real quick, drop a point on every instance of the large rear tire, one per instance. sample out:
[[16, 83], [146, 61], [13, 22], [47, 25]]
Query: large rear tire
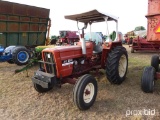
[[147, 80], [85, 92], [117, 65], [155, 62], [21, 55]]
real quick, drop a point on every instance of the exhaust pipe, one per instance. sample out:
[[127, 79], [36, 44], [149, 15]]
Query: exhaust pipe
[[83, 46], [82, 40]]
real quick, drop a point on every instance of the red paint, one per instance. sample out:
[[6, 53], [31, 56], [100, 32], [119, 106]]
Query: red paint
[[157, 75], [140, 44], [153, 21], [67, 52], [62, 53]]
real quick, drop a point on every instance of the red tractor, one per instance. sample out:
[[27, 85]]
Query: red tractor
[[151, 73], [72, 64]]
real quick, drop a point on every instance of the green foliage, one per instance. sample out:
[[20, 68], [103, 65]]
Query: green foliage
[[54, 37], [138, 28]]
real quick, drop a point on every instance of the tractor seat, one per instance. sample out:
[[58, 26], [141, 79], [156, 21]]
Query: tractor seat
[[97, 49], [96, 38]]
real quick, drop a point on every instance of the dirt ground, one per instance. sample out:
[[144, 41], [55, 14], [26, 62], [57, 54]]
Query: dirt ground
[[19, 100]]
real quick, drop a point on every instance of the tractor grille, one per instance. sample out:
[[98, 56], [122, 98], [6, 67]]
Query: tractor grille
[[49, 62]]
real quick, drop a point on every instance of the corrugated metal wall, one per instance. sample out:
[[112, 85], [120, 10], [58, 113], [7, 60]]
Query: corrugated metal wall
[[22, 24]]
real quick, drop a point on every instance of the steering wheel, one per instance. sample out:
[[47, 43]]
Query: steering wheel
[[113, 35]]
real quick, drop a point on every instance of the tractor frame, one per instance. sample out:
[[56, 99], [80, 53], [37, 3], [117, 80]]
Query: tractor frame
[[72, 64]]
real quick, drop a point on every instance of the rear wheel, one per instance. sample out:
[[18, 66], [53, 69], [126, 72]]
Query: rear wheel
[[117, 65], [40, 89], [85, 92], [155, 62], [147, 80], [21, 56]]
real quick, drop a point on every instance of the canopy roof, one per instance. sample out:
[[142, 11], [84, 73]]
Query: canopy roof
[[91, 16]]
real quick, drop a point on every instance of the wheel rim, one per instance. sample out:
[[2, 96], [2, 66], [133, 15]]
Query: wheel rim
[[122, 65], [88, 93], [22, 56]]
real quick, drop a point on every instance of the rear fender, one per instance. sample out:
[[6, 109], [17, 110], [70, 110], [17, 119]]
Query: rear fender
[[9, 49], [107, 47]]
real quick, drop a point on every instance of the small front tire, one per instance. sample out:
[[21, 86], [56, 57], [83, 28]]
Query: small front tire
[[85, 92], [40, 89], [147, 80]]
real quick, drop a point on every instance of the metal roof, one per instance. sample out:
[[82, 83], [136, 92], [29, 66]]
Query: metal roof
[[93, 16], [11, 8]]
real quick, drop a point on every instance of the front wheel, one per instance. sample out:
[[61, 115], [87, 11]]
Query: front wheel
[[40, 89], [85, 92], [147, 80], [117, 65]]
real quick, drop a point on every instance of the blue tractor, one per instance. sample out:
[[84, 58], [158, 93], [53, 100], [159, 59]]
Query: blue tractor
[[19, 55]]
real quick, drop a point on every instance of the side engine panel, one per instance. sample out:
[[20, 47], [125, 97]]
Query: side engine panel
[[65, 58]]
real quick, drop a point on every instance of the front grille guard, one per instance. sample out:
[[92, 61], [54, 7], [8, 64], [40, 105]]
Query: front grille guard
[[47, 67]]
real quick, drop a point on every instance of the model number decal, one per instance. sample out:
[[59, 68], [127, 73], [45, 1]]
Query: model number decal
[[67, 62]]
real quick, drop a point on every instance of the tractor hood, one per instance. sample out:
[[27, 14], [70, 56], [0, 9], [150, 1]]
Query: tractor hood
[[63, 48], [68, 52]]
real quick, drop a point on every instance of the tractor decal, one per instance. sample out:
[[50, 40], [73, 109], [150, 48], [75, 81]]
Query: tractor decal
[[67, 62]]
